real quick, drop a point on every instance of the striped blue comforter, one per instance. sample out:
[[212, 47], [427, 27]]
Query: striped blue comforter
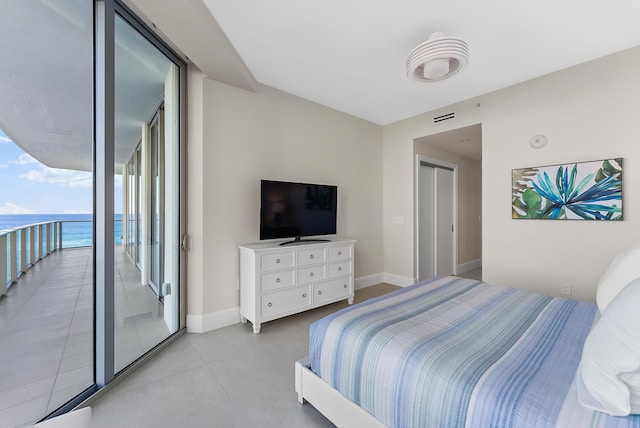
[[453, 352]]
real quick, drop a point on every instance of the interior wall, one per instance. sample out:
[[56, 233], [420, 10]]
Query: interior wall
[[195, 194], [469, 201], [269, 134], [588, 112]]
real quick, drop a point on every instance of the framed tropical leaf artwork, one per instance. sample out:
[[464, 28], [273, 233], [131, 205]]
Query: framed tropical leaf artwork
[[576, 191]]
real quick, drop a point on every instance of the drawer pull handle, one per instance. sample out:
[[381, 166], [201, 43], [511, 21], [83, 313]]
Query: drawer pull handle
[[304, 295], [310, 273], [278, 280], [311, 256], [277, 260], [270, 304], [319, 292], [340, 269], [339, 253], [345, 286]]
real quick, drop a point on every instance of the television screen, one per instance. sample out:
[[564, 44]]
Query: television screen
[[294, 210]]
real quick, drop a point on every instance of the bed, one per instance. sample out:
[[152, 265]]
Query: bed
[[453, 352]]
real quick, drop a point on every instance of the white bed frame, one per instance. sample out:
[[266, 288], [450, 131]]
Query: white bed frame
[[329, 401]]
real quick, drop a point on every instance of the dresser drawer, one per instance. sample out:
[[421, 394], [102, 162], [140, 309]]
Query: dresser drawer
[[278, 279], [331, 290], [285, 301], [338, 269], [339, 252], [310, 274], [277, 261], [311, 256]]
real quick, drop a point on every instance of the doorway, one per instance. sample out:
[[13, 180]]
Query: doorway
[[459, 149], [437, 218]]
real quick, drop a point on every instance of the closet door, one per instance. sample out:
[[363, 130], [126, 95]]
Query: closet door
[[426, 222], [436, 220], [444, 221]]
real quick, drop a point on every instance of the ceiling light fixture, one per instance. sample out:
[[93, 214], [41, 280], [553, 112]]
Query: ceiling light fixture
[[440, 57]]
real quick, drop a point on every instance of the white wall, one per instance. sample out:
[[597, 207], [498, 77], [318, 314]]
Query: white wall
[[246, 136], [588, 112]]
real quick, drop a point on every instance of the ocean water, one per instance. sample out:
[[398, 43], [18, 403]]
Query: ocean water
[[77, 229]]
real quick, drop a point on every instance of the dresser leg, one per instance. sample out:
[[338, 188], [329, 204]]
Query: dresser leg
[[243, 319], [256, 328], [350, 300]]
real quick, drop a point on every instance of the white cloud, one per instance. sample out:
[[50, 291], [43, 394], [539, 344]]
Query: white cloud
[[25, 159], [4, 139], [9, 208], [65, 177]]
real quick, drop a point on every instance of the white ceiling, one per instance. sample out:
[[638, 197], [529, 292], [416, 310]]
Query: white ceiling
[[350, 54], [46, 81], [46, 73], [465, 141], [346, 54]]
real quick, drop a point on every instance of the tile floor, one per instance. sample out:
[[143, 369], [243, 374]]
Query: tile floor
[[473, 274], [229, 377], [224, 378], [46, 332]]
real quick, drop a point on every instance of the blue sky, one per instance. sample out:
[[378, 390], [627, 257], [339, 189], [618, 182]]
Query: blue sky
[[29, 187]]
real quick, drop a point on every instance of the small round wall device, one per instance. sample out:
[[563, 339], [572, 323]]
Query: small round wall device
[[538, 141]]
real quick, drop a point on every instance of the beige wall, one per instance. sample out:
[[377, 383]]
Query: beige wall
[[588, 112], [247, 136], [469, 201], [238, 137]]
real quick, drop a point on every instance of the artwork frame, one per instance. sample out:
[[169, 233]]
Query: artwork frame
[[590, 190]]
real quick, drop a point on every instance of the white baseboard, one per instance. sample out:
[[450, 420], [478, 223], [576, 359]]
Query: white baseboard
[[377, 278], [367, 281], [227, 317], [213, 320], [466, 267], [398, 280]]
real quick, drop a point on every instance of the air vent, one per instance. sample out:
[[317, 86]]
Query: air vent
[[444, 117]]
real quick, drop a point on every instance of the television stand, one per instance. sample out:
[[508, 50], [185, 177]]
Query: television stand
[[299, 240], [277, 281]]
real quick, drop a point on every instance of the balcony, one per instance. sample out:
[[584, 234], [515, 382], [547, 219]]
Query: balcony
[[46, 321]]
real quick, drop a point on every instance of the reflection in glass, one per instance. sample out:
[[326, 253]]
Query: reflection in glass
[[146, 165], [46, 109]]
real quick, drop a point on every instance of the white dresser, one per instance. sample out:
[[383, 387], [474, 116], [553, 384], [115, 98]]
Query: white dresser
[[276, 281]]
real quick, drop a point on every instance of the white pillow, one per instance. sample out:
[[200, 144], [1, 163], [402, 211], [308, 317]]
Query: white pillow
[[609, 372], [622, 270]]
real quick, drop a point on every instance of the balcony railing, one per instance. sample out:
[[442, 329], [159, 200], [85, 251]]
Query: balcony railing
[[24, 246]]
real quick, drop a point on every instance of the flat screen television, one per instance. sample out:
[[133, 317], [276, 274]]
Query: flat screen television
[[297, 210]]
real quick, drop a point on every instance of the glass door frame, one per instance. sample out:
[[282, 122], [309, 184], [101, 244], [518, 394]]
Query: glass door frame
[[105, 12], [132, 232], [157, 202]]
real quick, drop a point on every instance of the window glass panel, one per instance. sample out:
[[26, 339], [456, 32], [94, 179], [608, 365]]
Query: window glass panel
[[46, 150], [146, 310]]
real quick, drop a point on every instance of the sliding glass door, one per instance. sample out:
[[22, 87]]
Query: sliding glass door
[[47, 176], [90, 141], [146, 166]]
